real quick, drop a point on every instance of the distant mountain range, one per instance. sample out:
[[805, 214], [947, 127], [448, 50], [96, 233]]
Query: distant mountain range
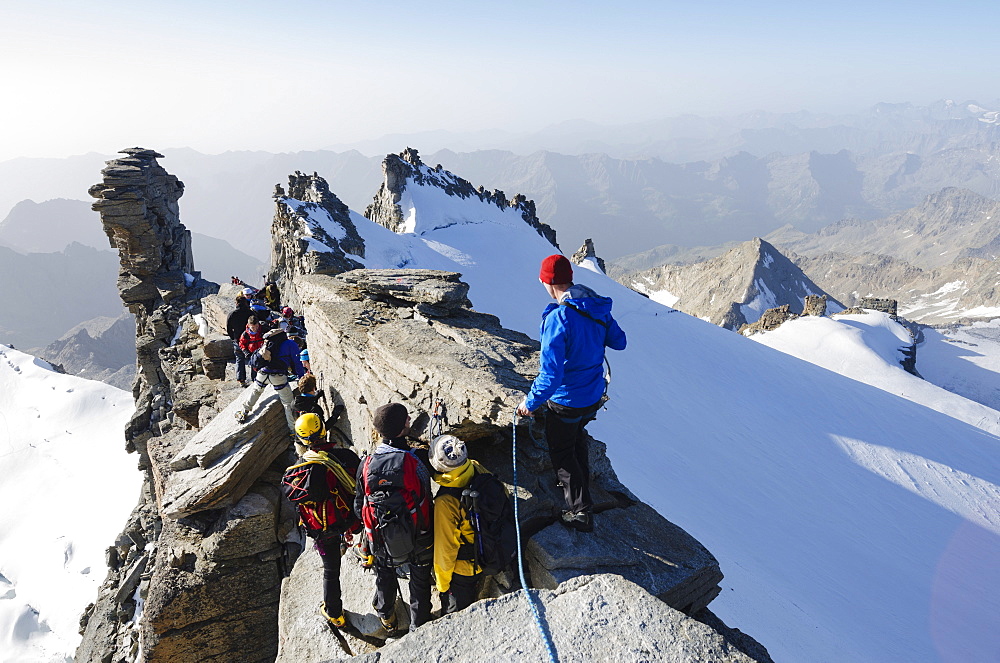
[[61, 299], [938, 260], [686, 181]]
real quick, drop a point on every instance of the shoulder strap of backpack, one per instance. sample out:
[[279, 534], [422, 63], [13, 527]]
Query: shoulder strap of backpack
[[584, 314]]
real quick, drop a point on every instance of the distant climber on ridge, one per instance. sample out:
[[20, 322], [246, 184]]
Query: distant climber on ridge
[[570, 383], [236, 324], [271, 295]]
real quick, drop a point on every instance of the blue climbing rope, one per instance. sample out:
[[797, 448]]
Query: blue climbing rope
[[546, 637]]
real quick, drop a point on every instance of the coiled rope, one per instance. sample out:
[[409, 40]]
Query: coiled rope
[[546, 637]]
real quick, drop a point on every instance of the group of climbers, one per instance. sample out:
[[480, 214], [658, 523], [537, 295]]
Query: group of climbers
[[271, 340], [465, 531]]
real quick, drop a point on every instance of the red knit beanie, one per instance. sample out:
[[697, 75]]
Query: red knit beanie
[[556, 270]]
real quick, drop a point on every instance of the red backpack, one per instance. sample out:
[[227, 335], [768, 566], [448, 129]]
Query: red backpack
[[396, 507], [322, 490]]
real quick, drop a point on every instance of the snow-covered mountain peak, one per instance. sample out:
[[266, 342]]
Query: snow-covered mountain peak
[[411, 186], [733, 289]]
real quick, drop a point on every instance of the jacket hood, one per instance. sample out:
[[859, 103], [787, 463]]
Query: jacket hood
[[460, 476], [587, 300]]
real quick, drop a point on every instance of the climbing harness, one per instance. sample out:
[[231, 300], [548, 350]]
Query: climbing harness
[[546, 637]]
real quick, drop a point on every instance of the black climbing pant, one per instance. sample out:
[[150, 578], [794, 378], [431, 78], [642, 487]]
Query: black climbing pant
[[463, 592], [387, 588], [329, 552], [570, 452]]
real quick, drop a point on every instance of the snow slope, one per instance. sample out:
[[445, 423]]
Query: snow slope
[[66, 490], [852, 523]]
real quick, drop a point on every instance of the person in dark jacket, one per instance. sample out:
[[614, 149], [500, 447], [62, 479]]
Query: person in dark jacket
[[236, 324], [393, 459], [570, 383], [332, 470], [284, 364]]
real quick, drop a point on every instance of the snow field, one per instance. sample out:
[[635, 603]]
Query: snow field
[[68, 487]]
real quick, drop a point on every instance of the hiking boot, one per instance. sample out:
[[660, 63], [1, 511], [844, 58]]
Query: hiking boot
[[243, 383], [242, 416], [581, 521], [337, 622], [388, 624]]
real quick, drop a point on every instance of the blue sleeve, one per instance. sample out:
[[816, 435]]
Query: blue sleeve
[[292, 357], [550, 370], [615, 338]]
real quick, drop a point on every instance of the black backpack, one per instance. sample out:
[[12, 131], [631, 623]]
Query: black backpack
[[489, 509], [266, 356], [396, 516]]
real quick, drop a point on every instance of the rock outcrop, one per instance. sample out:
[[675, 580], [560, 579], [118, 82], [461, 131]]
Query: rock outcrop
[[584, 617], [322, 235], [587, 252], [405, 166], [198, 573], [733, 289], [205, 587]]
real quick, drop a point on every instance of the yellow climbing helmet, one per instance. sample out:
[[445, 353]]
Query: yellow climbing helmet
[[309, 428]]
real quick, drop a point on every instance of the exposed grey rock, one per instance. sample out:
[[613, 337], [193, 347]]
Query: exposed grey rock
[[770, 320], [587, 251], [591, 618], [302, 244], [815, 305], [224, 459], [655, 554], [399, 168], [440, 289], [885, 305], [733, 289]]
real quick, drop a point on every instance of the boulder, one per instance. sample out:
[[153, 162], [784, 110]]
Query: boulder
[[225, 458], [590, 618]]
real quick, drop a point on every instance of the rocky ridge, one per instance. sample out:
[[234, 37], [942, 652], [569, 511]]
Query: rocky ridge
[[398, 168], [212, 533], [99, 349], [588, 252], [733, 289]]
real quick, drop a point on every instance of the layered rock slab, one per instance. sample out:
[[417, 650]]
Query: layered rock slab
[[591, 618]]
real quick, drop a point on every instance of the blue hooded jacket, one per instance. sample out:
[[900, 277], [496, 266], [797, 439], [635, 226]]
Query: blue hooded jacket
[[571, 371]]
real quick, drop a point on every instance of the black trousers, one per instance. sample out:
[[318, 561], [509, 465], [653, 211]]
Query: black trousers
[[329, 552], [463, 592], [570, 452], [387, 589]]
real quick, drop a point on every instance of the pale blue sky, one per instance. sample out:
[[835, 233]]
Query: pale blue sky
[[103, 74]]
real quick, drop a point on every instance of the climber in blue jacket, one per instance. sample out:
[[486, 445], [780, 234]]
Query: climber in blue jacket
[[570, 383]]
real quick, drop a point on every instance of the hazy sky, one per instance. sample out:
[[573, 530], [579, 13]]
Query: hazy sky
[[217, 75]]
